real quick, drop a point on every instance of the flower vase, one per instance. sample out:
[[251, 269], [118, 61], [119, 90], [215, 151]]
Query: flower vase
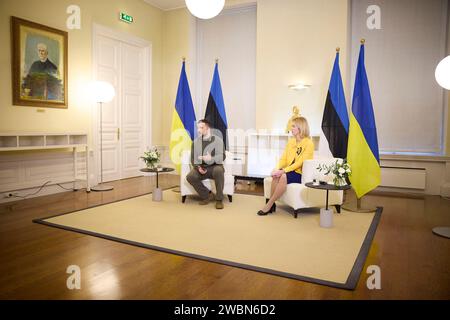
[[340, 182]]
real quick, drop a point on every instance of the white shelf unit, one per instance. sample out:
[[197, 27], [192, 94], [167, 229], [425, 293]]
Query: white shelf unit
[[21, 141], [264, 151], [56, 140]]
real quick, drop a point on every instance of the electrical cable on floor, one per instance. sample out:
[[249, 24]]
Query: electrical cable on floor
[[69, 189], [32, 194], [39, 190]]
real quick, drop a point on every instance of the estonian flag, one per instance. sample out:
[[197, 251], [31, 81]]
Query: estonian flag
[[183, 121], [335, 121], [215, 110], [362, 152]]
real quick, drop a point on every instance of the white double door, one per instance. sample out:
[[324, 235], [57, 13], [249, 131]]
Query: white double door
[[126, 119]]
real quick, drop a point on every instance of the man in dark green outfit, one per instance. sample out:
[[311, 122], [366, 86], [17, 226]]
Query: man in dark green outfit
[[207, 156]]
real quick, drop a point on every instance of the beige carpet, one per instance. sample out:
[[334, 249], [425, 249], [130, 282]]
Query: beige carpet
[[277, 243]]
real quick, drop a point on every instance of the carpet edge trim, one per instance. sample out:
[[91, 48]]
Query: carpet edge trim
[[355, 273]]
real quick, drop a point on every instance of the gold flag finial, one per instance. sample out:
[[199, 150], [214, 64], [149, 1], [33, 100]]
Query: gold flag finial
[[217, 60], [338, 49], [183, 58], [363, 41], [295, 114]]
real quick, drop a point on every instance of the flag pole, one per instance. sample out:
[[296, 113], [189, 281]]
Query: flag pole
[[357, 207], [350, 206], [177, 188]]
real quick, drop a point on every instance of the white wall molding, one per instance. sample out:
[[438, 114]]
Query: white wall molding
[[24, 173]]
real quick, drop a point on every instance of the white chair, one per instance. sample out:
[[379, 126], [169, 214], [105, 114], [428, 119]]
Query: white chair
[[299, 196], [186, 188]]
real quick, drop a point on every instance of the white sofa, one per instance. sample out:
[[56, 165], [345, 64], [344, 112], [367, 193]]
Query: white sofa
[[185, 187], [299, 196]]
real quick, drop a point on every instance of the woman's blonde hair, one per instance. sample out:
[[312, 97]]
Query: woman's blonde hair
[[302, 124]]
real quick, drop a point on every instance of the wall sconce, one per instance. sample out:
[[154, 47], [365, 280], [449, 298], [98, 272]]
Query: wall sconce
[[299, 86]]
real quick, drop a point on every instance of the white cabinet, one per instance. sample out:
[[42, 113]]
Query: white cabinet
[[264, 151]]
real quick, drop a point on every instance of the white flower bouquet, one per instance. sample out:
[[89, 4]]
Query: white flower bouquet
[[151, 157], [340, 170]]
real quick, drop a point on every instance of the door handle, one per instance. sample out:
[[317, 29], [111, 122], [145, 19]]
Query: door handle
[[118, 134]]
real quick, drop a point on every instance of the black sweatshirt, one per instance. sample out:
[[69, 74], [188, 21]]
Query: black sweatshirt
[[213, 145]]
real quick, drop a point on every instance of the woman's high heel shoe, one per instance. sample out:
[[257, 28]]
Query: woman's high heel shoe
[[272, 209]]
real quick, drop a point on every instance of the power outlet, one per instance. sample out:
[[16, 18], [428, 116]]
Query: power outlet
[[9, 195]]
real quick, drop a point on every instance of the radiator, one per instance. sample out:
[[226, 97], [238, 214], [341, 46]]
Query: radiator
[[401, 177]]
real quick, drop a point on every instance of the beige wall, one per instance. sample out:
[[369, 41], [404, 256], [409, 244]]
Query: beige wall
[[178, 41], [147, 25], [296, 42]]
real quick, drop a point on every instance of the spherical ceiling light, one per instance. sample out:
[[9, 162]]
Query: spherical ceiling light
[[205, 9], [442, 73]]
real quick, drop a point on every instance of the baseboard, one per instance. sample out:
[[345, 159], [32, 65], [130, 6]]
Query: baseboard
[[49, 189]]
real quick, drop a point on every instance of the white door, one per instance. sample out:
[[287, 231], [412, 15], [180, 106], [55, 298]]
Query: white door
[[124, 119], [132, 133], [108, 69]]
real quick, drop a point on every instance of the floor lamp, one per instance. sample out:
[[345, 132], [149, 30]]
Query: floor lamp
[[442, 75], [102, 92]]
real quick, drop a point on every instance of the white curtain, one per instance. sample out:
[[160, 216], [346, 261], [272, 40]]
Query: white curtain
[[401, 58], [230, 37]]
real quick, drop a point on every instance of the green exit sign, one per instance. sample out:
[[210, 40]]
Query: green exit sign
[[126, 18]]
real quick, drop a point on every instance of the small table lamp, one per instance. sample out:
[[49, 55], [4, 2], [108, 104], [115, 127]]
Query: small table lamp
[[101, 92]]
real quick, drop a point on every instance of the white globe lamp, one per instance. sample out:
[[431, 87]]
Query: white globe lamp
[[442, 75], [205, 9], [101, 92]]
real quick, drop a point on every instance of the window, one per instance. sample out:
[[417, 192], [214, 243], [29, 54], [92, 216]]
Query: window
[[231, 37], [401, 58]]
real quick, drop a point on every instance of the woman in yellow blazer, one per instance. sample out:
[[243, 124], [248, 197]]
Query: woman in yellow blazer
[[289, 168]]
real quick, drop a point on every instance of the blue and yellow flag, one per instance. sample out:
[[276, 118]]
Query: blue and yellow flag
[[215, 109], [183, 121], [362, 153]]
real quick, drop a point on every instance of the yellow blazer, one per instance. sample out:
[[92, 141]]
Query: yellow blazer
[[294, 155]]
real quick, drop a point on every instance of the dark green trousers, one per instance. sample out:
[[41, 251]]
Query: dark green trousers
[[214, 172]]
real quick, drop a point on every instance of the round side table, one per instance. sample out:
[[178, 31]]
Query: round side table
[[326, 215], [157, 192]]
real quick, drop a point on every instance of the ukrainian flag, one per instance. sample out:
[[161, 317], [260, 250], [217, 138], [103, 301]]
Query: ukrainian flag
[[183, 121], [362, 153]]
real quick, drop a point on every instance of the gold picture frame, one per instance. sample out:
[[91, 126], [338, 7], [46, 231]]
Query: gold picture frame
[[39, 65]]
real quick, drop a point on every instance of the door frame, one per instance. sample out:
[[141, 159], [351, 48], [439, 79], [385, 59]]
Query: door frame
[[100, 30]]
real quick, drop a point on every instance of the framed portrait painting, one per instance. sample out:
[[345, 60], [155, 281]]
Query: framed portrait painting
[[39, 65]]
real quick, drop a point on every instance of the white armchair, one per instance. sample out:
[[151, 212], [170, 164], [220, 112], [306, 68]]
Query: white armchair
[[186, 188], [299, 196]]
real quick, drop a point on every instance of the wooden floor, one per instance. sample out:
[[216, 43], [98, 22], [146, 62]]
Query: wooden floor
[[415, 264]]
